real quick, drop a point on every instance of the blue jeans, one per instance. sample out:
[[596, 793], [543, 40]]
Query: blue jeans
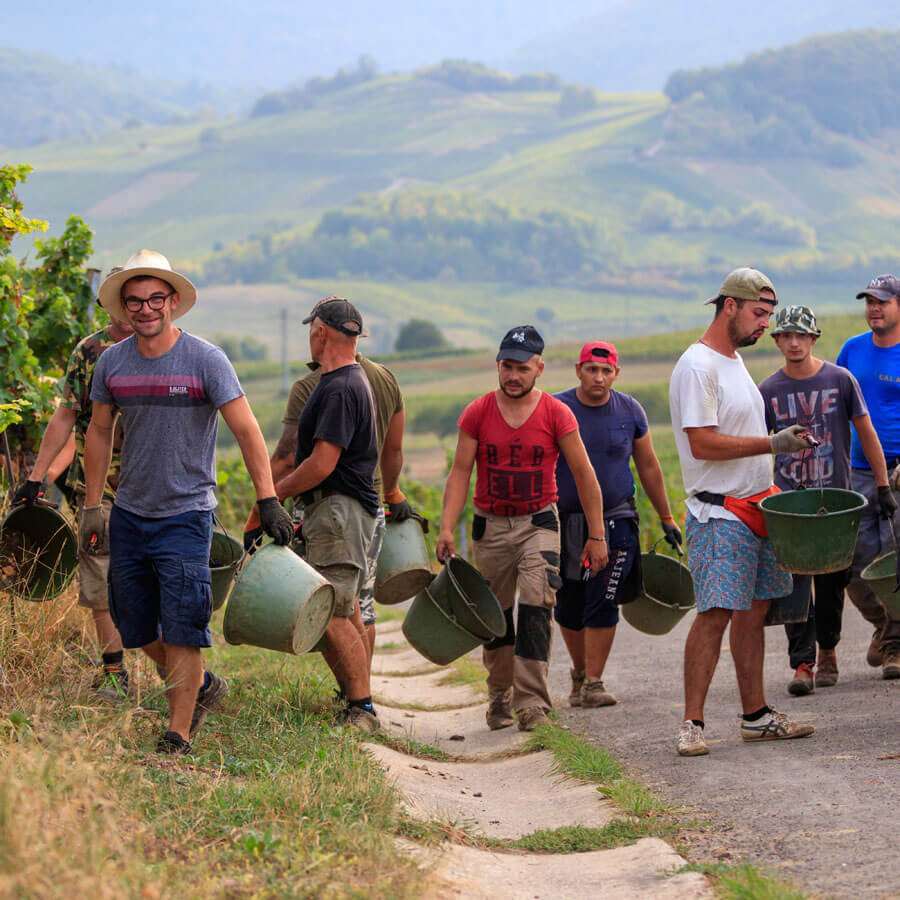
[[159, 581]]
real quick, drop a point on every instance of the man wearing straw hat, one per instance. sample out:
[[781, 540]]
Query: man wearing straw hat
[[168, 386], [718, 420], [337, 452], [74, 412]]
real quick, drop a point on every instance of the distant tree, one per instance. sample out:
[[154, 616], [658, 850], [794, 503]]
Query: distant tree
[[419, 334], [544, 314], [574, 100], [239, 349], [253, 349], [210, 137]]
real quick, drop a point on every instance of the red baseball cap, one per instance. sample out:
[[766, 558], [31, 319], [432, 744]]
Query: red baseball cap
[[599, 351]]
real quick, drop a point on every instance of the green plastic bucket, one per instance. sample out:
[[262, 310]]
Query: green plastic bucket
[[668, 595], [404, 567], [881, 576], [224, 555], [38, 552], [814, 531], [462, 591], [278, 602], [435, 632]]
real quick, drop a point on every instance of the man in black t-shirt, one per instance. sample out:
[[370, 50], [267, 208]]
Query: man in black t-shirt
[[334, 479]]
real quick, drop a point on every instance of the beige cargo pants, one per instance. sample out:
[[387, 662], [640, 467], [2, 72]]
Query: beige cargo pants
[[519, 556]]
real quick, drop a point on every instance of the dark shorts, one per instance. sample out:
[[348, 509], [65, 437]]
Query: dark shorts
[[159, 582], [595, 603]]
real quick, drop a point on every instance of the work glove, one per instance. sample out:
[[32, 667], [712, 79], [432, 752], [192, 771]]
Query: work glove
[[887, 505], [400, 512], [252, 539], [275, 520], [672, 535], [29, 492], [790, 439], [92, 530]]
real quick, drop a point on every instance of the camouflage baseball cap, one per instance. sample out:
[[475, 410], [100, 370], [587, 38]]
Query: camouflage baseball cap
[[744, 284], [883, 287], [799, 319]]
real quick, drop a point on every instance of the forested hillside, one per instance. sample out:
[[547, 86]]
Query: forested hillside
[[803, 100]]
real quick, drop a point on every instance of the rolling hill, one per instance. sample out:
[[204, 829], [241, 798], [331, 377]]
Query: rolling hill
[[460, 194]]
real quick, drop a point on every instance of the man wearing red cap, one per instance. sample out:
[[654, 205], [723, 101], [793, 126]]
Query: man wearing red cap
[[614, 429]]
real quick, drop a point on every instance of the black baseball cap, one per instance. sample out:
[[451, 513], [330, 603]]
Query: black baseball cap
[[339, 314], [521, 343], [884, 287]]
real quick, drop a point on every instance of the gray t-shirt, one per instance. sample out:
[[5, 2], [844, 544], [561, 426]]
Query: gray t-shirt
[[825, 404], [169, 416]]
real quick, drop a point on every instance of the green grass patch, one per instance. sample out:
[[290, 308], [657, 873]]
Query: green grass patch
[[467, 671], [743, 882], [575, 756], [579, 839]]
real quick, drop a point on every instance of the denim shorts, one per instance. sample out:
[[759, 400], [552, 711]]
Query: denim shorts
[[595, 603], [159, 581], [731, 566]]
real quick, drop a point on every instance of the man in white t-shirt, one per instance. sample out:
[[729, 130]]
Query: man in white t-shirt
[[718, 419]]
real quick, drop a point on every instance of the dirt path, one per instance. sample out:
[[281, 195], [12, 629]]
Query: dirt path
[[823, 810]]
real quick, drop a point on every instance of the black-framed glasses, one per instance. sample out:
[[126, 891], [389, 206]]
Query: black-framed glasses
[[154, 301]]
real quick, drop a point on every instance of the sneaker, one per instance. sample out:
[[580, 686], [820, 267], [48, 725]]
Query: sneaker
[[826, 669], [362, 720], [577, 682], [530, 718], [691, 741], [802, 682], [874, 656], [208, 699], [890, 666], [774, 726], [499, 711], [172, 742], [593, 694], [111, 683]]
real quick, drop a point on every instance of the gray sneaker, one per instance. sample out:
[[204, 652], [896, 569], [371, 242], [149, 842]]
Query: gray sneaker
[[594, 694], [362, 720], [691, 741], [208, 699], [774, 726]]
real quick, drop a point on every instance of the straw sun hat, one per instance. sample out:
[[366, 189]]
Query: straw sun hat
[[145, 262]]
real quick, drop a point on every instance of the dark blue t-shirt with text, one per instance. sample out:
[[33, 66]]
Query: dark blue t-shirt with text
[[877, 369], [608, 433]]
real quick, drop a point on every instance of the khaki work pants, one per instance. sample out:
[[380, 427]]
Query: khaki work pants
[[519, 556]]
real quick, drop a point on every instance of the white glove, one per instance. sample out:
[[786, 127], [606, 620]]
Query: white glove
[[789, 439]]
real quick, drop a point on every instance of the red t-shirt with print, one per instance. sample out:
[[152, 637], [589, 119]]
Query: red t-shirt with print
[[516, 466]]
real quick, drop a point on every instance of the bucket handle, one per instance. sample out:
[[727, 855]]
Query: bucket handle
[[678, 550]]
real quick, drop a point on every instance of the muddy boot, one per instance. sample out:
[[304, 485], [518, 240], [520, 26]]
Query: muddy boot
[[499, 711], [593, 694], [577, 682], [890, 666], [802, 683], [826, 669], [874, 656], [530, 718]]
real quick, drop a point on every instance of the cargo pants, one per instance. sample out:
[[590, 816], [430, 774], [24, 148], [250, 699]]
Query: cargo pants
[[519, 557]]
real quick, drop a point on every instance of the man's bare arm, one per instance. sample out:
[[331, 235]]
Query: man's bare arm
[[871, 447], [98, 444], [651, 476], [392, 457], [55, 441], [456, 492], [709, 443]]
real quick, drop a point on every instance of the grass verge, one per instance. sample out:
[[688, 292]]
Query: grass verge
[[277, 800], [743, 882], [467, 671]]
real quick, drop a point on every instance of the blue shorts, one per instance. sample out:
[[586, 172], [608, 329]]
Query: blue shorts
[[595, 603], [159, 581], [731, 566]]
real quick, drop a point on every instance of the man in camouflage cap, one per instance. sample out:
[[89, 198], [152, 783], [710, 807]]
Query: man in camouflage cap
[[74, 412], [825, 399]]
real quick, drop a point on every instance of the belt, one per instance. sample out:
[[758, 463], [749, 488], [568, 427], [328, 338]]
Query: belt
[[314, 496], [707, 497]]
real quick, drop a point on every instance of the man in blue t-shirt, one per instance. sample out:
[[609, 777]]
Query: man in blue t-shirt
[[874, 358], [614, 429], [168, 388]]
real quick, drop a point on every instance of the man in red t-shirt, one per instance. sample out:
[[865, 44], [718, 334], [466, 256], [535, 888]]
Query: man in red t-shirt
[[515, 434]]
